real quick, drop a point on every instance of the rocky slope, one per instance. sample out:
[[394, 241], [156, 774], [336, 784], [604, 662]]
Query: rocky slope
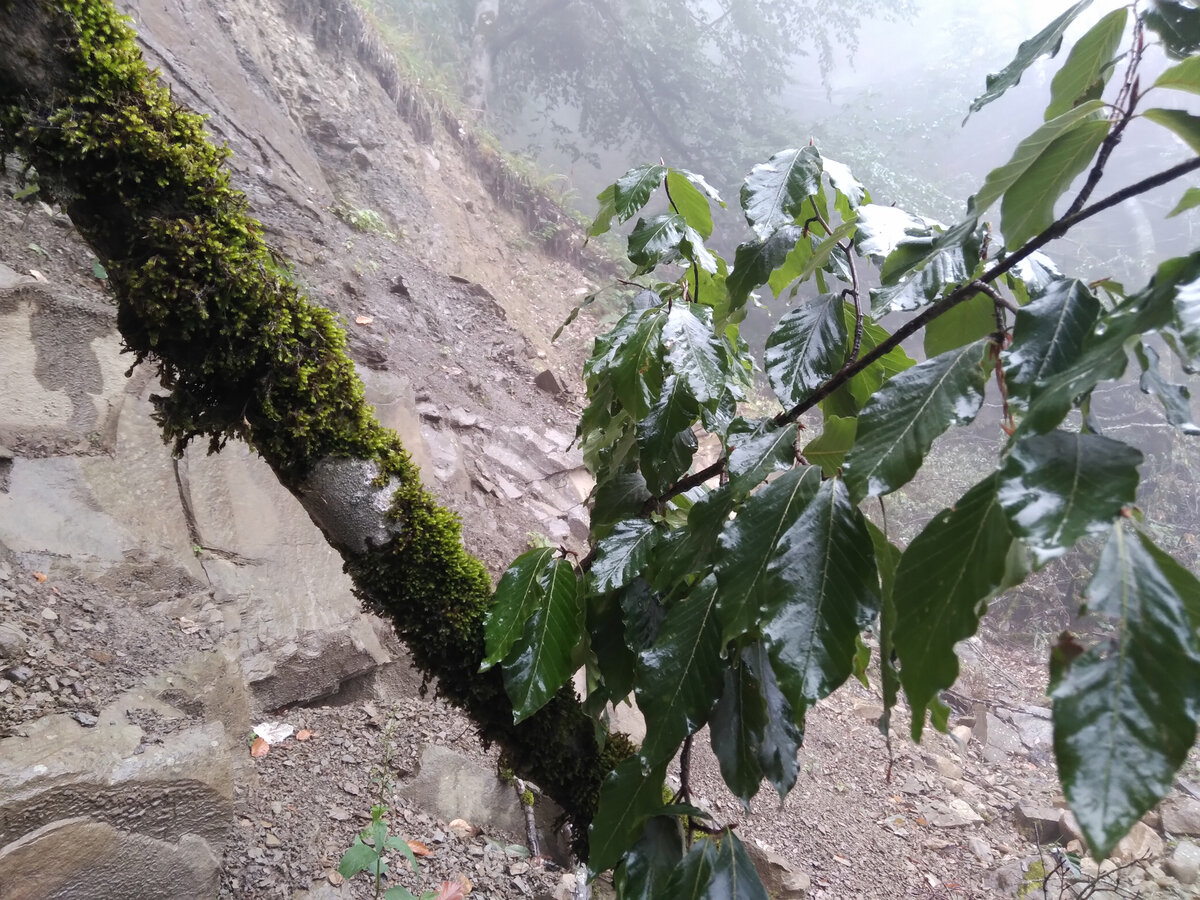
[[153, 611]]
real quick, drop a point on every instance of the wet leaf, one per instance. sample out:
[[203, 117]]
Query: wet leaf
[[755, 456], [1181, 123], [516, 596], [754, 261], [633, 190], [1088, 65], [1059, 487], [1124, 710], [541, 662], [628, 797], [695, 353], [902, 419], [829, 448], [649, 863], [1177, 26], [690, 201], [806, 348], [774, 191], [623, 554], [1049, 335], [1175, 398], [943, 579]]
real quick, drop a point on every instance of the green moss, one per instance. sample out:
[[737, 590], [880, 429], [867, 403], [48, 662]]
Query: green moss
[[527, 797], [243, 355]]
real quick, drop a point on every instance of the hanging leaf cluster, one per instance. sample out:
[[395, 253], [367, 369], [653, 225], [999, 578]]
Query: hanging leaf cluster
[[733, 572]]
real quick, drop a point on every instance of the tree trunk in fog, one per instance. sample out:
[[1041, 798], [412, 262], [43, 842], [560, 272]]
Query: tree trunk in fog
[[242, 354], [483, 55]]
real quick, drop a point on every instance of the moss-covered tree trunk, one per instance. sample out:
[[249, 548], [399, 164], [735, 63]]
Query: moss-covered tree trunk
[[241, 354]]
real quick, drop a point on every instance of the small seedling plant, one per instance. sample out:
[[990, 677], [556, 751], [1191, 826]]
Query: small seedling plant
[[369, 853]]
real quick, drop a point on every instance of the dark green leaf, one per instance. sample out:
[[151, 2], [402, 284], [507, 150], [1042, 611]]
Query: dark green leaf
[[1184, 76], [887, 559], [806, 348], [734, 876], [692, 249], [629, 796], [864, 385], [1189, 200], [623, 554], [689, 550], [1123, 711], [900, 422], [822, 589], [1177, 26], [573, 315], [517, 595], [633, 190], [969, 321], [678, 680], [359, 857], [755, 456], [665, 436], [739, 721], [945, 256], [793, 264], [1175, 398], [1028, 154], [781, 740], [695, 353], [644, 614], [606, 629], [693, 877], [943, 581], [541, 663], [1049, 335], [649, 864], [828, 247], [775, 190], [1056, 488], [829, 448], [754, 261], [1045, 43], [1089, 63], [748, 544], [1182, 123], [656, 240], [1028, 206], [881, 229], [689, 202], [619, 498]]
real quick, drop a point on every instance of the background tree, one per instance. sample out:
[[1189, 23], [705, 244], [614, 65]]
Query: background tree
[[698, 79], [735, 595]]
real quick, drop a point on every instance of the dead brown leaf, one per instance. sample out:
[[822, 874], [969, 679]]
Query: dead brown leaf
[[259, 748], [364, 320], [40, 576], [303, 734]]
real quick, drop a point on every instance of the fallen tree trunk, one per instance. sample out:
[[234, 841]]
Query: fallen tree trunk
[[243, 355]]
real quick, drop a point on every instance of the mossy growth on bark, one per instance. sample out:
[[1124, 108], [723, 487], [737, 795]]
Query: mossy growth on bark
[[243, 355]]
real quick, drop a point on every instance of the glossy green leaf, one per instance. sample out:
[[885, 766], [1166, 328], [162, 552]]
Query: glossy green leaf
[[1123, 711], [542, 662], [943, 580], [806, 348], [945, 256], [637, 364], [738, 722], [822, 252], [693, 877], [748, 544], [755, 456], [822, 588], [695, 353], [1045, 43], [692, 248], [970, 321], [649, 864], [887, 560], [864, 385], [689, 202], [1049, 335], [1176, 24], [1028, 206], [881, 229], [775, 190], [656, 240], [623, 554], [754, 261], [793, 264], [665, 436], [516, 596], [618, 498], [643, 612], [900, 422], [845, 183], [1179, 279], [1185, 125], [1056, 488], [1184, 76], [677, 681], [829, 448], [1189, 200], [1175, 398], [1030, 152], [633, 189], [1088, 65], [628, 797]]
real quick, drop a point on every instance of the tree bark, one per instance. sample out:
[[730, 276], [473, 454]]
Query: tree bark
[[242, 354]]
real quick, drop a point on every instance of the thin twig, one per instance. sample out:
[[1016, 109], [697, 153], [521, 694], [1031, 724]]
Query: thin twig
[[530, 823]]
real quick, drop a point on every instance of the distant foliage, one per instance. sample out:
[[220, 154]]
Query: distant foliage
[[737, 594]]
